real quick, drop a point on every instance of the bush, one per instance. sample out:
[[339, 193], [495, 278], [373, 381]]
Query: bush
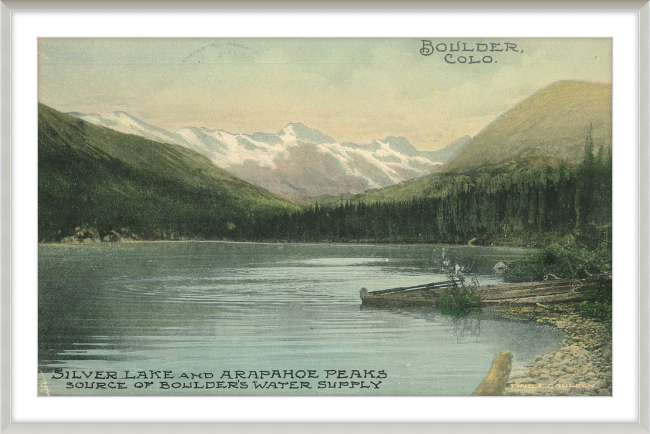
[[595, 310], [569, 263], [460, 299], [598, 301]]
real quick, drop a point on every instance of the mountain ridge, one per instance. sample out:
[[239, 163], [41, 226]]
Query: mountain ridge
[[277, 162]]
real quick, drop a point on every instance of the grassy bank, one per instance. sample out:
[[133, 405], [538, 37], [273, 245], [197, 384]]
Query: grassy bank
[[559, 263]]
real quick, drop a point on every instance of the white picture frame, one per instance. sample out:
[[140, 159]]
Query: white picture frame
[[14, 184]]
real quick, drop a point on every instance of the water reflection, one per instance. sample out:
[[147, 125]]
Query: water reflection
[[467, 326]]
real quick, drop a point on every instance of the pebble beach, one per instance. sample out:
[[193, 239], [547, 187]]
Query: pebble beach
[[581, 367]]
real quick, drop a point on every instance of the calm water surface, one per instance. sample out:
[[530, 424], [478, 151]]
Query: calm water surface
[[210, 307]]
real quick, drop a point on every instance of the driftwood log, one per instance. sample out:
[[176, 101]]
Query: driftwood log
[[495, 382]]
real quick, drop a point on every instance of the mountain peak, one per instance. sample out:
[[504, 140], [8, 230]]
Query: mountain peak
[[297, 124], [401, 144], [300, 132]]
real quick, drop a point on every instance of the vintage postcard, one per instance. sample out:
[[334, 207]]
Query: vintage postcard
[[325, 217]]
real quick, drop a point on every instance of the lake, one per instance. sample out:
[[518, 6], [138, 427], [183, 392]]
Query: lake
[[192, 310]]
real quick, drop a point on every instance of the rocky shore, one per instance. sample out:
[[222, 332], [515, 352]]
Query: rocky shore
[[88, 235], [581, 367]]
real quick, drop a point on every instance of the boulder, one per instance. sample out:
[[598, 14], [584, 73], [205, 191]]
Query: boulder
[[575, 350]]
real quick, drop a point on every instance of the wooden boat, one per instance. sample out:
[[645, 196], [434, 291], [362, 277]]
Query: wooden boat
[[425, 296]]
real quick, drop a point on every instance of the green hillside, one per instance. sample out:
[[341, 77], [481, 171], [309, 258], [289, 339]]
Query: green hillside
[[553, 122], [110, 183]]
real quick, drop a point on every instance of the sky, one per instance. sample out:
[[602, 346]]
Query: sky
[[354, 90]]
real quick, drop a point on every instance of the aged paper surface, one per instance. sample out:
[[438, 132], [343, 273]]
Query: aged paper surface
[[347, 217]]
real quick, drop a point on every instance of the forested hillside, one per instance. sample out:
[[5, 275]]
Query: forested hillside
[[100, 183]]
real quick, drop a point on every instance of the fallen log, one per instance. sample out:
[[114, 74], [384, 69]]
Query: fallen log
[[425, 296]]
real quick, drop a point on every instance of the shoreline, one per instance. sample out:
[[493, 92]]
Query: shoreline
[[271, 243], [582, 366]]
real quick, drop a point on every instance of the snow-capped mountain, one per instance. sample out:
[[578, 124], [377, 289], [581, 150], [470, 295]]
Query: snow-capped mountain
[[125, 123], [297, 162]]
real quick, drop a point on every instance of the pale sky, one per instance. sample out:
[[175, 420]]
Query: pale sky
[[350, 89]]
